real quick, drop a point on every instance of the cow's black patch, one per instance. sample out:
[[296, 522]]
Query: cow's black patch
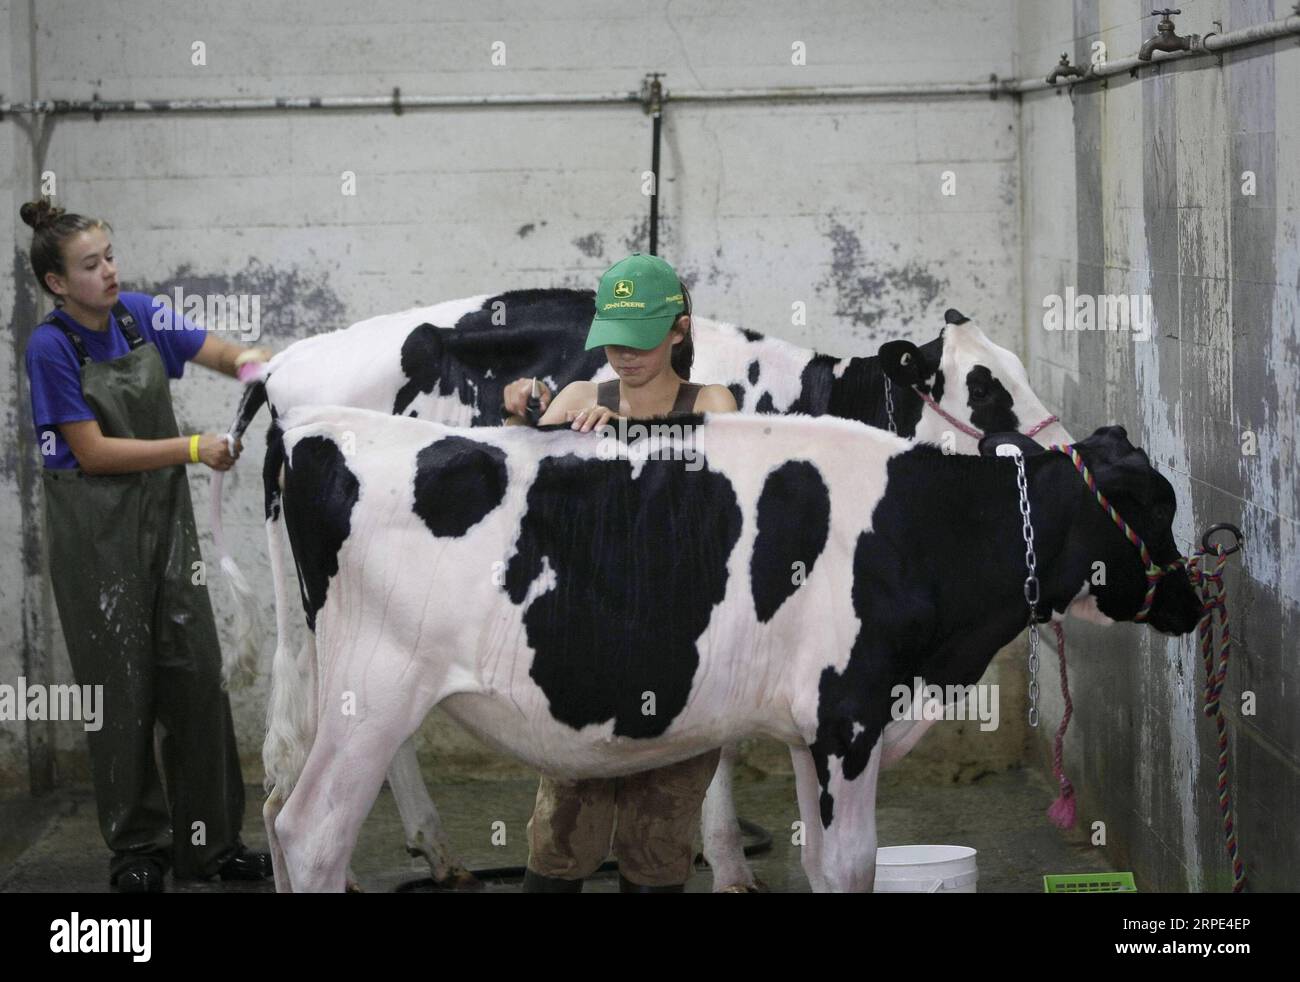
[[738, 393], [910, 406], [639, 566], [990, 403], [936, 589], [794, 513], [938, 582], [319, 495], [517, 334], [815, 384], [271, 465], [765, 404], [751, 335], [753, 373], [457, 483], [954, 316], [859, 390]]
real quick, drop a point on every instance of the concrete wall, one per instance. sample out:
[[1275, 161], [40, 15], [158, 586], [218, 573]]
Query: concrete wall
[[1137, 188], [837, 204]]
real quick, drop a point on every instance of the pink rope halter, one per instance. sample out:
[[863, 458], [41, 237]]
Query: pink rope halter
[[970, 430]]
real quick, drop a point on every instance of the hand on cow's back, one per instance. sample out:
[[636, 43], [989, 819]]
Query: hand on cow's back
[[572, 399]]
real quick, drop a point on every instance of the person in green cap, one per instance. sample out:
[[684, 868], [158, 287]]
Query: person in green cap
[[643, 322]]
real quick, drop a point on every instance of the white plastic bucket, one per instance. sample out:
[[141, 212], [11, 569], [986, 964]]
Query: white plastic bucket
[[926, 869]]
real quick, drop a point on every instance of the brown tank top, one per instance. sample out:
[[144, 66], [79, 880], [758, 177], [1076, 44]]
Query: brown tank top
[[683, 405]]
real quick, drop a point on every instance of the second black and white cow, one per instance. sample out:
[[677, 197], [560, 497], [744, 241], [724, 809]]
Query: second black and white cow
[[451, 361], [599, 606]]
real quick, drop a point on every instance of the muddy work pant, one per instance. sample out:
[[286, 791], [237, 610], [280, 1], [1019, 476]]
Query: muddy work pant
[[651, 817], [136, 623]]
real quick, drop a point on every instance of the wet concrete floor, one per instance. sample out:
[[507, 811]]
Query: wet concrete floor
[[53, 844]]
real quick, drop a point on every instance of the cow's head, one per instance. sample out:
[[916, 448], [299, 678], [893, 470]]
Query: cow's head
[[973, 380], [1145, 500]]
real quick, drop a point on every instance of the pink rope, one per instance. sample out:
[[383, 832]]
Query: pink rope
[[929, 401], [1062, 810], [970, 430], [1040, 426]]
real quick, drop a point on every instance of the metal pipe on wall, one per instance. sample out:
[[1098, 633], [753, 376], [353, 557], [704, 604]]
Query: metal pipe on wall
[[1207, 45], [399, 103]]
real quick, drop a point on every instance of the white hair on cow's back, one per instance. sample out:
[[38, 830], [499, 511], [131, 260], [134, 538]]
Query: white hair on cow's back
[[723, 354]]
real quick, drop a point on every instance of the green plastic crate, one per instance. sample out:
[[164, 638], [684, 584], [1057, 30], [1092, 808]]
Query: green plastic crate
[[1089, 883]]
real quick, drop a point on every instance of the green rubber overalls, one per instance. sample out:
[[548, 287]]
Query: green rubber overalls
[[123, 559]]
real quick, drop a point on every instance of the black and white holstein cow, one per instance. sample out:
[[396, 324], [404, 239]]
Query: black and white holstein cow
[[450, 362], [546, 587]]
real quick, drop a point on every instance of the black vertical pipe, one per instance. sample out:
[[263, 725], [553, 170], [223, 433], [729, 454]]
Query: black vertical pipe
[[652, 98], [654, 197]]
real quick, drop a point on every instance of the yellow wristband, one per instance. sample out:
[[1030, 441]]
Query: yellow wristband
[[194, 449]]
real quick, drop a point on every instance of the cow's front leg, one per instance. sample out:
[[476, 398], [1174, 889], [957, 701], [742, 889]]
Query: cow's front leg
[[810, 832], [848, 817], [424, 833], [270, 811], [724, 846]]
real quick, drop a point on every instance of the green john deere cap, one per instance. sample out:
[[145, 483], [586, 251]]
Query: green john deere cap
[[638, 299]]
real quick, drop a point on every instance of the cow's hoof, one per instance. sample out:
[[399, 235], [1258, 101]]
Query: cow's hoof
[[352, 886], [758, 886], [459, 878]]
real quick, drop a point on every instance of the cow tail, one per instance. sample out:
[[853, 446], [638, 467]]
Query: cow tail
[[238, 661], [290, 716]]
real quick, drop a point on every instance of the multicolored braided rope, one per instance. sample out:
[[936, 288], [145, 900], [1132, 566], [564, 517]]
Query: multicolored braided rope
[[1209, 586], [1062, 810], [1154, 572]]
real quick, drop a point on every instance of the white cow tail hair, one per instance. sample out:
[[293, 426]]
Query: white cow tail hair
[[238, 661], [290, 716]]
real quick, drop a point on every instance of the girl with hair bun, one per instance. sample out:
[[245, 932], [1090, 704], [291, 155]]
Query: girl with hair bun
[[123, 553]]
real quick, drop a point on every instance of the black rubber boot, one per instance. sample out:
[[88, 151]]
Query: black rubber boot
[[627, 886], [246, 864], [141, 875], [536, 883]]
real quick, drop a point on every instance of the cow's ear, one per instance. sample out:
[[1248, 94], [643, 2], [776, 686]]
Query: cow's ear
[[1114, 439], [903, 363], [990, 443], [954, 316]]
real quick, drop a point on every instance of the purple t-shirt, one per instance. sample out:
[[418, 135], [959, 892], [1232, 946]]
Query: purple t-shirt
[[55, 372]]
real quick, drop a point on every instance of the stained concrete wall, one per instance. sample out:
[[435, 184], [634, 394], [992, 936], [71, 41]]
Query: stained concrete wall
[[1138, 188], [837, 204]]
